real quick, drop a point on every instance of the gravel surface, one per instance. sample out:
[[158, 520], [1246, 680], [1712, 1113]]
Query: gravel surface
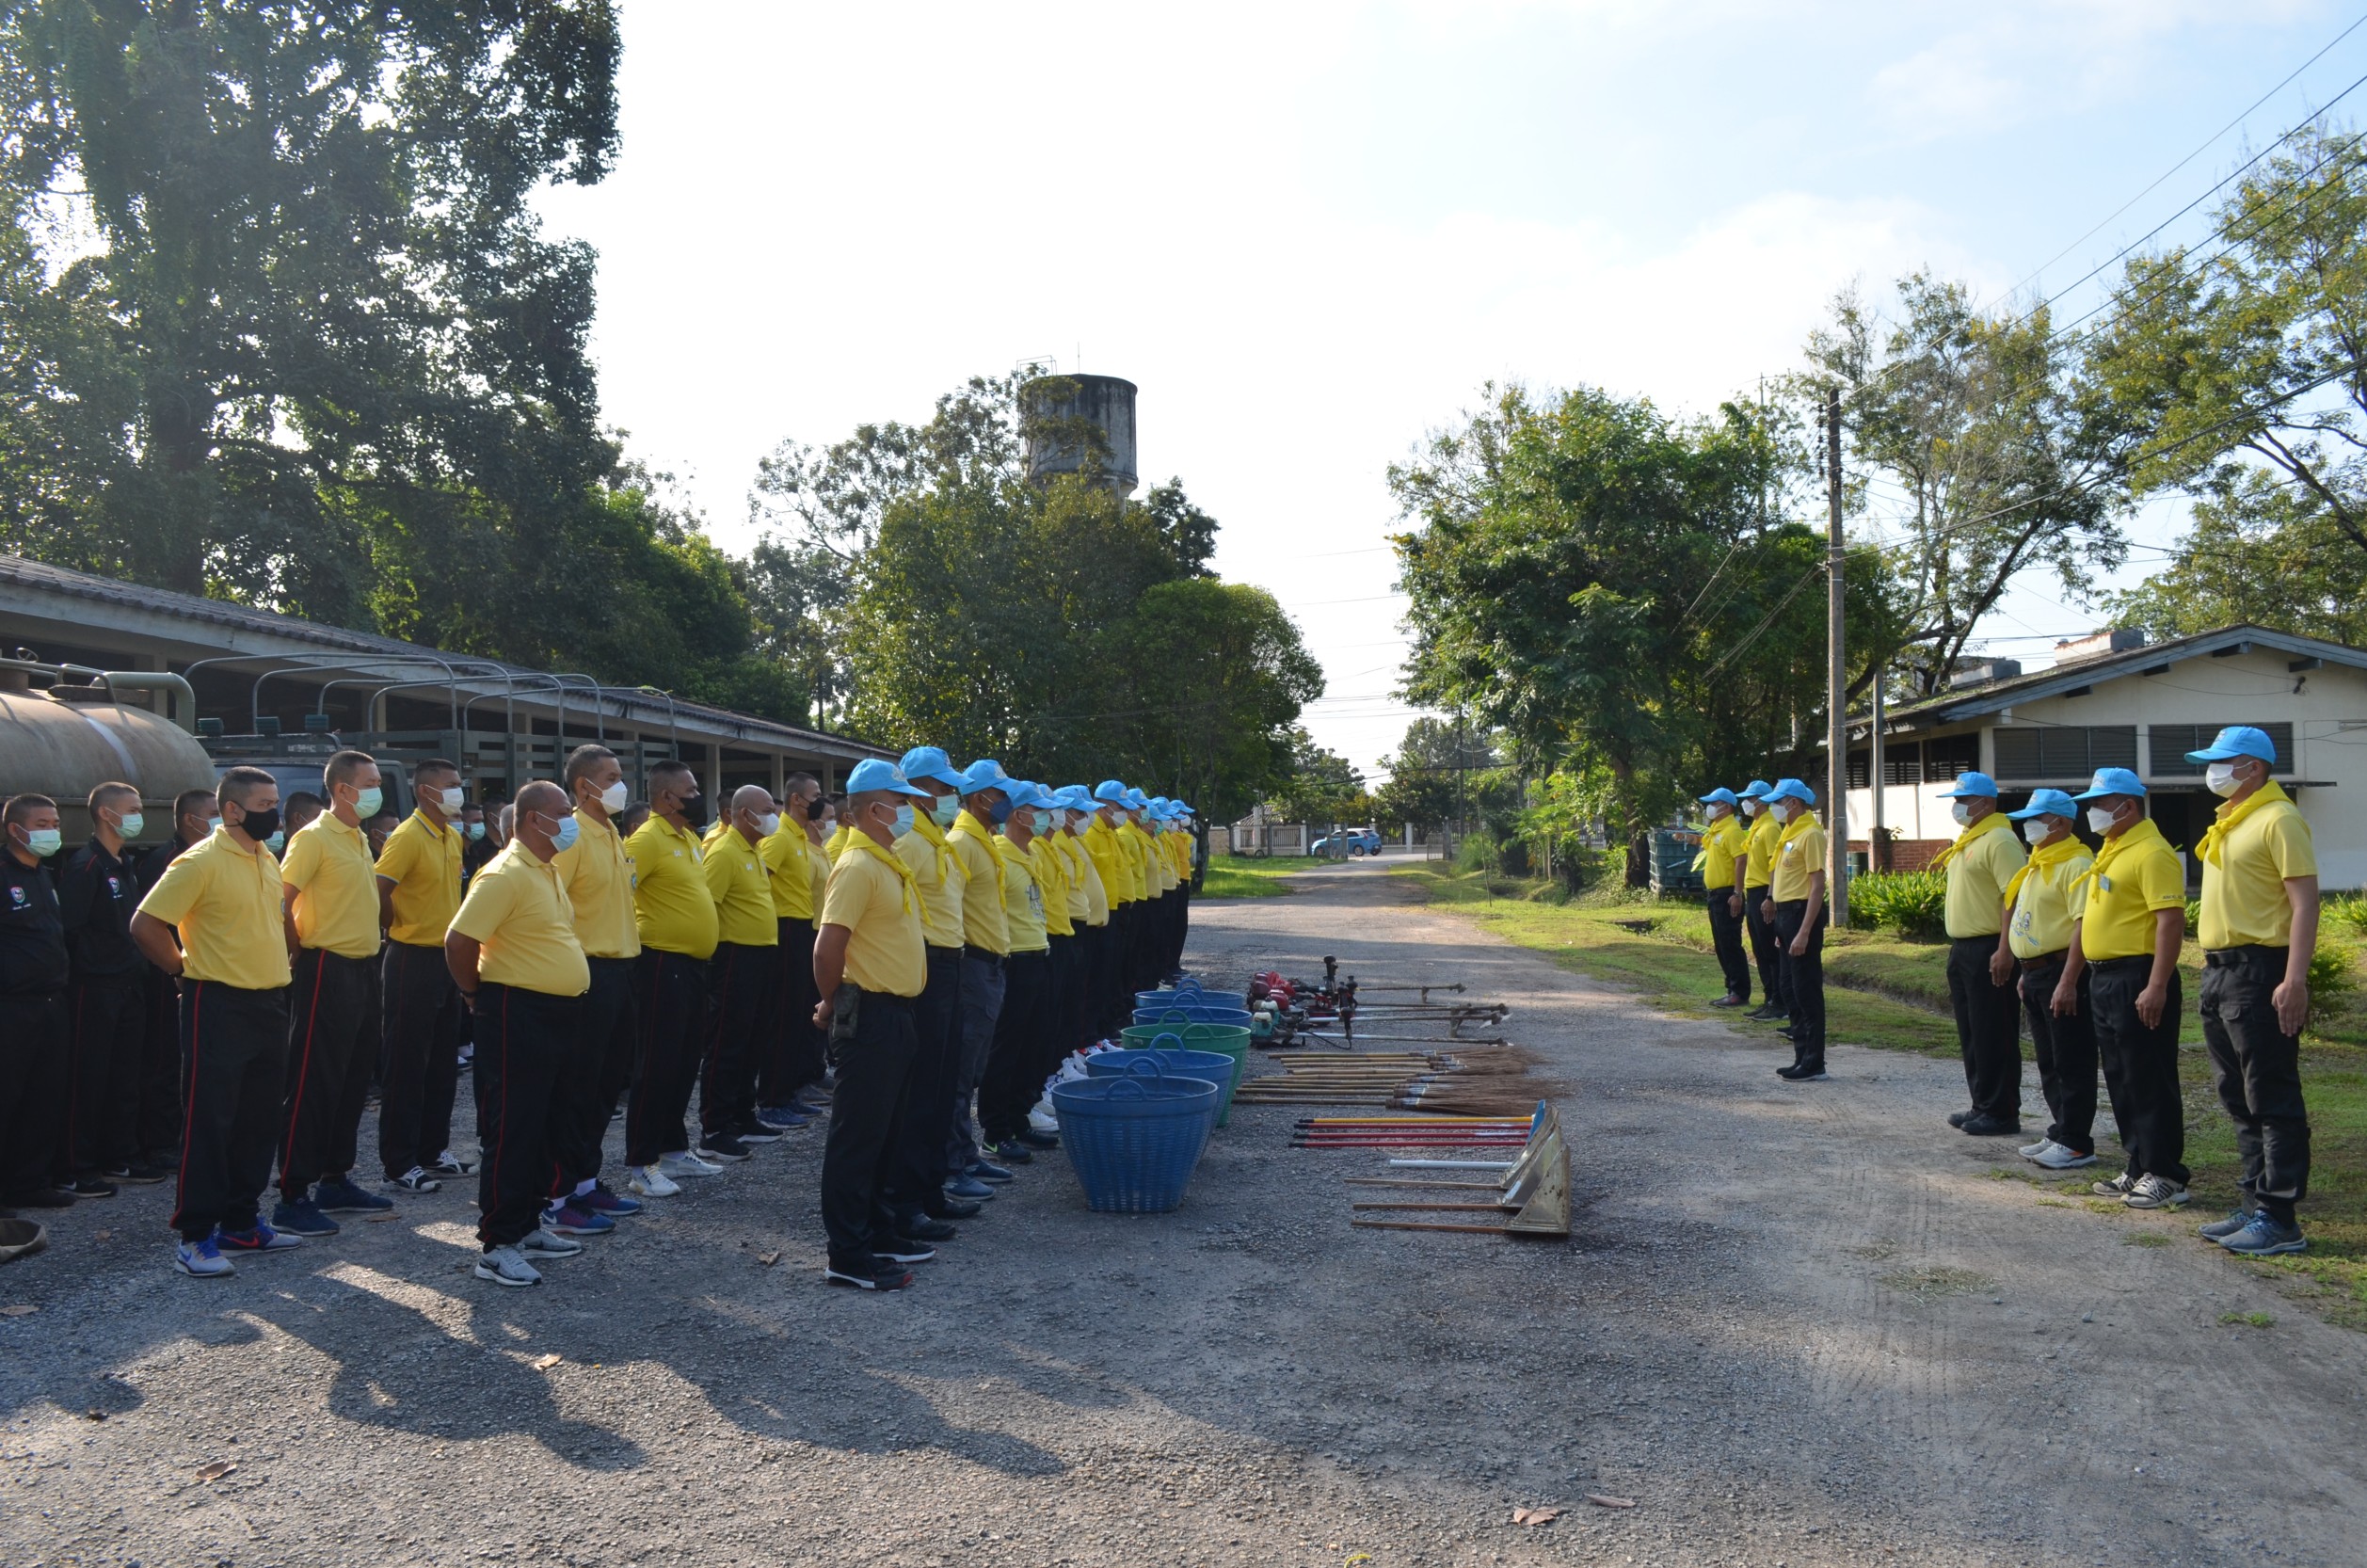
[[1795, 1325]]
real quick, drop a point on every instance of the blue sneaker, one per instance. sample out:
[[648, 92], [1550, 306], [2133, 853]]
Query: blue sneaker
[[2219, 1230], [302, 1217], [202, 1259], [986, 1172], [2265, 1237], [570, 1219], [599, 1200], [968, 1187], [782, 1118], [257, 1237], [338, 1196]]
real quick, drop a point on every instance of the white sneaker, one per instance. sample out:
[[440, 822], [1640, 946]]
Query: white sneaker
[[651, 1182], [2153, 1192], [683, 1163], [2055, 1156], [2032, 1151], [507, 1266], [1042, 1119], [2119, 1187], [548, 1244]]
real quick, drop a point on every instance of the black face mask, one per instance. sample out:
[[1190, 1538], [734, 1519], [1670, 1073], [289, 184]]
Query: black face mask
[[694, 811], [260, 825]]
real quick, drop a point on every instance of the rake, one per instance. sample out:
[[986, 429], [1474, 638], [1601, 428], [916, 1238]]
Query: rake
[[1543, 1210]]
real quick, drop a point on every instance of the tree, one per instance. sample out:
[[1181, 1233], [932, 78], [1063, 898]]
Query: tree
[[1441, 771], [2259, 554], [1216, 675], [1323, 785]]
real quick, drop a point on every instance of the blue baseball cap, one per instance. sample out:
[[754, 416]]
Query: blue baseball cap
[[1137, 800], [1972, 786], [985, 774], [1720, 796], [1755, 790], [1792, 789], [2112, 781], [877, 773], [930, 762], [2047, 802], [1024, 792], [1110, 791], [1073, 797], [2237, 740]]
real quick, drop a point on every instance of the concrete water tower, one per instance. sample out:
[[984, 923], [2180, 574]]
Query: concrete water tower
[[1104, 403]]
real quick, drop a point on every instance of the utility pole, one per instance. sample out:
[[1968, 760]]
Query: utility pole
[[1875, 859], [1454, 839], [1836, 682]]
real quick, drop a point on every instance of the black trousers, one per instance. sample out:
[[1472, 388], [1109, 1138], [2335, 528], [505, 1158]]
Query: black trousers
[[1804, 977], [1988, 1029], [742, 979], [670, 1001], [159, 1122], [597, 1066], [234, 1047], [793, 1058], [523, 1040], [2141, 1066], [420, 1073], [916, 1173], [1117, 1009], [2257, 1067], [1011, 1083], [332, 1035], [1725, 935], [1062, 987], [2066, 1049], [867, 1109], [1764, 949], [34, 1039], [1099, 983], [110, 1031]]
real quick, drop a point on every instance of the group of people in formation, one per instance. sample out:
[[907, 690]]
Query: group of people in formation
[[933, 940], [2083, 941]]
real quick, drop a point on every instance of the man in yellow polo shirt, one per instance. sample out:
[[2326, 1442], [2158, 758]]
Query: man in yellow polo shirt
[[1064, 972], [1724, 847], [1114, 1006], [740, 978], [1141, 955], [1801, 916], [2130, 927], [985, 945], [334, 903], [597, 875], [1978, 866], [790, 1057], [420, 868], [1758, 926], [2039, 910], [870, 965], [2259, 927], [674, 913], [1010, 1083], [916, 1191], [221, 898], [1089, 916], [515, 956]]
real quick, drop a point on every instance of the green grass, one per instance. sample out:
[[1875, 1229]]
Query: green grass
[[1240, 876], [1891, 993]]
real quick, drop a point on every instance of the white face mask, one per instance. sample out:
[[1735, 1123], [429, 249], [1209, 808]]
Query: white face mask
[[2036, 830], [1780, 810], [615, 798], [1962, 811], [903, 824], [452, 801], [2220, 778], [768, 825], [2099, 820], [1749, 807], [132, 824]]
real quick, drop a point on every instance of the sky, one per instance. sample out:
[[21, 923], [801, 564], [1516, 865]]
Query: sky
[[1312, 233]]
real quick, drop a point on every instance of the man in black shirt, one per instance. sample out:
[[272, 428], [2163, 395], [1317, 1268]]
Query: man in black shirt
[[158, 1133], [107, 1004], [33, 976]]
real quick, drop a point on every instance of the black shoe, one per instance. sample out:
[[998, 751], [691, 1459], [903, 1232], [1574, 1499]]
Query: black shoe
[[1035, 1139], [1730, 999], [1013, 1152], [1988, 1127], [922, 1228], [902, 1249], [870, 1275], [723, 1146], [139, 1173], [957, 1209], [1762, 1013], [45, 1197], [753, 1131], [1958, 1118], [86, 1187], [1809, 1071]]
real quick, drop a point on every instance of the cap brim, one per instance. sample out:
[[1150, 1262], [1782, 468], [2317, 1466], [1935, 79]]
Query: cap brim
[[941, 775], [2029, 812], [2103, 794], [2223, 753], [1968, 794]]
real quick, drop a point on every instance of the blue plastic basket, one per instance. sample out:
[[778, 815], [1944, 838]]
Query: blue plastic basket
[[1193, 1013], [1135, 1139]]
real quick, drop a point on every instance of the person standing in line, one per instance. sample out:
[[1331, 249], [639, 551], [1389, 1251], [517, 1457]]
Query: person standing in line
[[1006, 1090], [1757, 874], [194, 814], [1799, 915], [790, 1056], [297, 814], [985, 948], [739, 976], [2038, 916], [1141, 963], [335, 908], [2126, 942], [1724, 847], [870, 965], [674, 912], [35, 1034], [97, 893], [597, 875], [1979, 865], [2259, 927], [1049, 1040], [1114, 1003], [423, 1022], [232, 957], [514, 955], [915, 1192], [1089, 912]]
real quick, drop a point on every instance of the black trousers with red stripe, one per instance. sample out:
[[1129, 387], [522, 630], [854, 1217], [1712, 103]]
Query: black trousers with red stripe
[[160, 1096], [110, 1026], [742, 978], [233, 1050], [670, 1001], [598, 1068], [332, 1038], [425, 1024], [523, 1040], [34, 1039]]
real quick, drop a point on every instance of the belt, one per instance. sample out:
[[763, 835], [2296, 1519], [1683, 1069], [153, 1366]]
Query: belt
[[971, 950], [2123, 962], [2229, 958]]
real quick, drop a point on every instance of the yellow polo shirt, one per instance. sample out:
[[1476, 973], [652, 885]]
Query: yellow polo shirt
[[1089, 876], [1051, 876], [1101, 842], [671, 905], [2134, 876], [817, 875], [1723, 843], [1022, 898], [597, 873], [743, 902], [336, 888], [870, 893], [1135, 845], [936, 876], [2246, 854], [226, 901], [1983, 860], [423, 862], [1077, 875], [518, 912], [985, 924], [783, 852], [2043, 913], [1800, 853], [1758, 867]]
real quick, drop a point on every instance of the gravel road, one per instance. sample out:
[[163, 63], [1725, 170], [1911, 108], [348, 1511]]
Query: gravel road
[[1796, 1325]]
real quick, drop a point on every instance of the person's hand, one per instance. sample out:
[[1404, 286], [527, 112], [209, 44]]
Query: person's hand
[[2149, 1003], [1734, 907], [822, 1012], [1800, 946], [2293, 1005], [2000, 969], [2065, 1003], [1767, 910]]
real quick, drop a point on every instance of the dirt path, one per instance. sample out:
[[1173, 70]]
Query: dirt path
[[1798, 1325]]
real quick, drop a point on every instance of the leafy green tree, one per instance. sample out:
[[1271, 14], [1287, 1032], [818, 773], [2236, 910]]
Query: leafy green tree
[[1441, 770], [1216, 675], [1323, 785], [2259, 553]]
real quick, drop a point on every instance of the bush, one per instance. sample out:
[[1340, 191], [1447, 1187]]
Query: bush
[[2332, 978], [1478, 852], [2348, 911], [1912, 903]]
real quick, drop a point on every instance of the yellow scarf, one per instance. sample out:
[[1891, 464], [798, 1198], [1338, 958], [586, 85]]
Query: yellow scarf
[[1989, 824], [968, 824], [2141, 832], [1721, 829], [1794, 828], [2040, 858], [903, 872], [2214, 836]]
